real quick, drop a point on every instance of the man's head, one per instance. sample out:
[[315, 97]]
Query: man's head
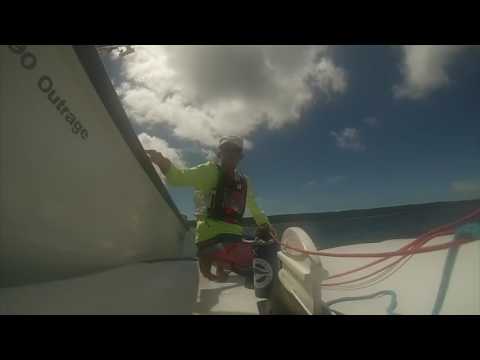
[[230, 151]]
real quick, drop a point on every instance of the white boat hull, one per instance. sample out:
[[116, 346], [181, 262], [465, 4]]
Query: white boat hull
[[75, 198]]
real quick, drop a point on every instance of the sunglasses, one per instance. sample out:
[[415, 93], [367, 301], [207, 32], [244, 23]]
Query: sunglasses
[[232, 151]]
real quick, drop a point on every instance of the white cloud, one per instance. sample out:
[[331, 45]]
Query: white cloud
[[470, 187], [424, 69], [348, 138], [311, 183], [209, 154], [205, 92], [154, 143]]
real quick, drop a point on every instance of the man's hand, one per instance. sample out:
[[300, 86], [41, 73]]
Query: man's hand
[[266, 232], [157, 157]]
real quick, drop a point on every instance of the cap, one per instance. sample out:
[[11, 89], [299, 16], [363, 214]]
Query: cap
[[234, 140]]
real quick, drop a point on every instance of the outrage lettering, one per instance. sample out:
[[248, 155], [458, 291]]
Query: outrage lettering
[[46, 85]]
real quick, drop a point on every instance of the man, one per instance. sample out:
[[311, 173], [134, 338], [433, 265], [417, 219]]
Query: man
[[221, 195]]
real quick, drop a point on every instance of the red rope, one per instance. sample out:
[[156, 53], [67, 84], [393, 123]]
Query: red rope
[[368, 275], [413, 245], [408, 250], [371, 281], [389, 265], [403, 251], [387, 254]]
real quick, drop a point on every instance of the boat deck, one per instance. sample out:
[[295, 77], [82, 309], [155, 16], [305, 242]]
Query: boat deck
[[228, 298], [167, 287], [415, 285], [176, 287]]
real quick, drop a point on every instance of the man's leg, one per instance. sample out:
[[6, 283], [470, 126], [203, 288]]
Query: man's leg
[[205, 263], [241, 256], [234, 255]]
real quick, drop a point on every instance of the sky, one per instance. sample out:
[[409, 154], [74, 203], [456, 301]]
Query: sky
[[326, 128]]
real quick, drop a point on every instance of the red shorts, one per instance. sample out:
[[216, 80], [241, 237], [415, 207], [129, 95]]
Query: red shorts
[[238, 256]]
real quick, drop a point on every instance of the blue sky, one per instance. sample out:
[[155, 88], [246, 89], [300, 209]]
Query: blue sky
[[355, 144]]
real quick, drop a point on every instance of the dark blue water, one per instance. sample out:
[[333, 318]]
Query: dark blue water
[[372, 225]]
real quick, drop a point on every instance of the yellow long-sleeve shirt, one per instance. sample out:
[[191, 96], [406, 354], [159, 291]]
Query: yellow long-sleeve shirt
[[203, 178]]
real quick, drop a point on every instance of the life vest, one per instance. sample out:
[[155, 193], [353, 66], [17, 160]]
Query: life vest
[[229, 198]]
